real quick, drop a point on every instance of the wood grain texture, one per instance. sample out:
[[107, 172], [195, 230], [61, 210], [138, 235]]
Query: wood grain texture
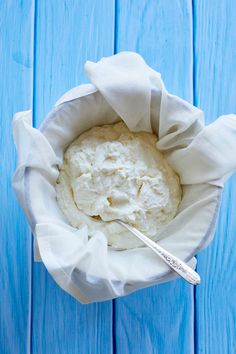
[[16, 63], [159, 319], [215, 93], [161, 31], [67, 34]]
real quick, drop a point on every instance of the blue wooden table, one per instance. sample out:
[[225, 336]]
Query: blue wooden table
[[44, 44]]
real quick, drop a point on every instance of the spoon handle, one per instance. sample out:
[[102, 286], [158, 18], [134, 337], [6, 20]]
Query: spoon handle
[[173, 262]]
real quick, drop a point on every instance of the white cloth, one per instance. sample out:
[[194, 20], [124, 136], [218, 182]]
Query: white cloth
[[122, 86]]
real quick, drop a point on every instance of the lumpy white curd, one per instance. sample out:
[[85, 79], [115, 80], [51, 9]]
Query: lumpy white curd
[[111, 173]]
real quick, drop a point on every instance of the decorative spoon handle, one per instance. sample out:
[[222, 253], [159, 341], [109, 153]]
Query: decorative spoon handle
[[173, 262]]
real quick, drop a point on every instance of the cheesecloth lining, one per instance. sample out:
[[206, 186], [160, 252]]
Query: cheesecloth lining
[[122, 86]]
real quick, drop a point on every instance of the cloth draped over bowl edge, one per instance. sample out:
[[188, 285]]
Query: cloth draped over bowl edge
[[174, 139]]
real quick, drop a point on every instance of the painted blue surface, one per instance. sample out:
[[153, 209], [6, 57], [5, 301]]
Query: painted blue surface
[[215, 93], [146, 320], [44, 45], [16, 70], [66, 36]]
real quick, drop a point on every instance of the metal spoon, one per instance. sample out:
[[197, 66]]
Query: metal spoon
[[173, 262]]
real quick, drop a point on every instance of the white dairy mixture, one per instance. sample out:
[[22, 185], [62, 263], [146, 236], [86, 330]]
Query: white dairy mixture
[[110, 173]]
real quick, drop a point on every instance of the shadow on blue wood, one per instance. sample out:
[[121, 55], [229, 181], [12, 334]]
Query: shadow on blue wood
[[155, 320]]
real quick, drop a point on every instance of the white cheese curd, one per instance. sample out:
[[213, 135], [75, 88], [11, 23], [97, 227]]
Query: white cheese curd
[[111, 173]]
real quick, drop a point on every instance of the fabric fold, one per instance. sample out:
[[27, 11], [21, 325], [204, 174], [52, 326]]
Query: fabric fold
[[123, 80], [123, 87], [211, 156]]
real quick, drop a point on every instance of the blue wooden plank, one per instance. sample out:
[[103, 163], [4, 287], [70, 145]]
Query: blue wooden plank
[[16, 62], [161, 31], [159, 319], [67, 34], [215, 93]]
